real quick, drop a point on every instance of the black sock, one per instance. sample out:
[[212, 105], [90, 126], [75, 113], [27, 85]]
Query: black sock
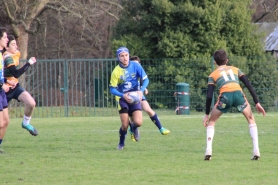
[[156, 121], [122, 136]]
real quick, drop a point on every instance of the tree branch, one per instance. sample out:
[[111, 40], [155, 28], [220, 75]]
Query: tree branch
[[112, 15], [267, 12], [8, 11], [60, 8], [113, 3]]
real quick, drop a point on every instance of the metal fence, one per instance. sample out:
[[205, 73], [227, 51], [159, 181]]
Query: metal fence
[[68, 87], [80, 87]]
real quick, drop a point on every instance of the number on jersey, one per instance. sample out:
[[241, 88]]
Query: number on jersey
[[225, 76]]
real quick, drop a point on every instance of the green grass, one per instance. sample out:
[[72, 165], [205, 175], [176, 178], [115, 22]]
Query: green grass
[[83, 151], [77, 111]]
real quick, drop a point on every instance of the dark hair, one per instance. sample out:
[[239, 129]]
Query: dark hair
[[220, 57], [2, 31], [135, 58], [11, 38]]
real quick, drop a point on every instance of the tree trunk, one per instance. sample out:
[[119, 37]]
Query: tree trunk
[[22, 42]]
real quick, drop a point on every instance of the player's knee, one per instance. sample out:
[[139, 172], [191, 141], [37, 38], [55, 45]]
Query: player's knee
[[6, 121], [249, 116], [32, 104], [138, 123], [124, 127], [251, 119]]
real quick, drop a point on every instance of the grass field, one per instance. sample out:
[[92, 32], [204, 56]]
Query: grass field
[[83, 151]]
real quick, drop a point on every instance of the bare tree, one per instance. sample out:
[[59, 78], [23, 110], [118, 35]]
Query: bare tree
[[265, 11], [50, 29], [52, 24]]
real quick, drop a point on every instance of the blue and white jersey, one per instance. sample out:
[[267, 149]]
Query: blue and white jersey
[[125, 79]]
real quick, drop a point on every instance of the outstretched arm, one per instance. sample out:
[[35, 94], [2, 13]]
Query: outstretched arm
[[246, 82], [18, 72]]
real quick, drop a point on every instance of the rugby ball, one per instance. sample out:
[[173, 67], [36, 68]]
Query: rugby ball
[[134, 96]]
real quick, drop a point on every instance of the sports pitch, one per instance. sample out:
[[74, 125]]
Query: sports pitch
[[83, 150]]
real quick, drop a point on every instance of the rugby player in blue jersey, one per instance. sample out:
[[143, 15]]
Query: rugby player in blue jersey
[[124, 79], [4, 115]]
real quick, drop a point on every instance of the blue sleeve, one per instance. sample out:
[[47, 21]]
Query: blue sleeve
[[115, 92], [144, 85]]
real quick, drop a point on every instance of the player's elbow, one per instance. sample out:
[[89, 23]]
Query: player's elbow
[[111, 89], [146, 81]]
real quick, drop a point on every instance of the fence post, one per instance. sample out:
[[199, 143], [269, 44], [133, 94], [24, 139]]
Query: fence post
[[66, 88]]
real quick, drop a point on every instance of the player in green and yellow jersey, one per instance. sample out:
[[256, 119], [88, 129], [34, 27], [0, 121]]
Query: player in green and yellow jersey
[[12, 72], [226, 78]]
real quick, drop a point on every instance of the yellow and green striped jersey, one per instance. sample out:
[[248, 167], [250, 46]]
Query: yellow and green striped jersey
[[226, 78]]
